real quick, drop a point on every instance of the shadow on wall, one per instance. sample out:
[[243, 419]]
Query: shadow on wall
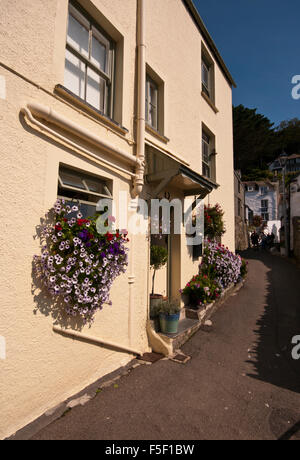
[[273, 362], [46, 304]]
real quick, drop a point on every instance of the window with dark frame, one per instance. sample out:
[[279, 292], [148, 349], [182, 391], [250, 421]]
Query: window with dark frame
[[82, 189], [264, 206], [206, 154], [151, 108], [89, 62], [206, 85]]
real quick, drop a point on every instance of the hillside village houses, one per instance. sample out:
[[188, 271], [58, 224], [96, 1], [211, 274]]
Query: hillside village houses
[[294, 213], [292, 164], [103, 99]]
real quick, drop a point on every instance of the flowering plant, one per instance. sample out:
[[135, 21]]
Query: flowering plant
[[213, 221], [202, 290], [77, 263], [221, 264]]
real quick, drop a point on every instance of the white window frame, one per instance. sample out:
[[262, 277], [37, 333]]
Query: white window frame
[[107, 75]]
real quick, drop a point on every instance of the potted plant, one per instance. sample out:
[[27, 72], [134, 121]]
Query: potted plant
[[169, 314], [158, 259], [201, 290]]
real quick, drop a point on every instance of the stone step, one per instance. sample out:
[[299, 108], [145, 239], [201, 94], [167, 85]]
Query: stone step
[[186, 329], [191, 321]]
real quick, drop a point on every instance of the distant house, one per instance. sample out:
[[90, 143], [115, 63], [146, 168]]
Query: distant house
[[262, 198], [294, 212], [292, 164]]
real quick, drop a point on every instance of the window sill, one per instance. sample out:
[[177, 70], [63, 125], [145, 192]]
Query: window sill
[[156, 134], [71, 97], [209, 101]]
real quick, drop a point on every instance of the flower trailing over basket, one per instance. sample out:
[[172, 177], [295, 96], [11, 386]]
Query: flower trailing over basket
[[78, 264]]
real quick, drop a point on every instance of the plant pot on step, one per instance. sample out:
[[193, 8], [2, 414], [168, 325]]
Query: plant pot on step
[[169, 323]]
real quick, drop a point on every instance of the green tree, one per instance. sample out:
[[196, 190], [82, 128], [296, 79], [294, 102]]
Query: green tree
[[288, 136], [254, 139]]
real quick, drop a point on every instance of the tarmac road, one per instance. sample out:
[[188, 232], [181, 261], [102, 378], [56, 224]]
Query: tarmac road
[[241, 381]]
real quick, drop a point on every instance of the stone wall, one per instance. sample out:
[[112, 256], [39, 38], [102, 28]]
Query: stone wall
[[296, 227], [241, 234]]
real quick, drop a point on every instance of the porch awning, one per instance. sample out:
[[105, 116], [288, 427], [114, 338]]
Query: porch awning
[[182, 178]]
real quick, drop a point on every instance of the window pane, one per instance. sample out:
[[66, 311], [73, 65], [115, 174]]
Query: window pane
[[205, 75], [78, 36], [74, 74], [205, 170], [206, 138], [99, 54], [153, 95], [205, 152], [85, 209], [153, 116], [95, 90], [73, 180], [94, 186]]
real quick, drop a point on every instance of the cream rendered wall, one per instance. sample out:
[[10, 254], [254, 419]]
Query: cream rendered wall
[[42, 368], [176, 59], [179, 54]]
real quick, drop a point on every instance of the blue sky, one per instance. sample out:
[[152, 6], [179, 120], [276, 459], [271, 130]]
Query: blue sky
[[259, 41]]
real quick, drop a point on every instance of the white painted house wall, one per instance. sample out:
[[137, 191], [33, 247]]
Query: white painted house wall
[[253, 200], [295, 206]]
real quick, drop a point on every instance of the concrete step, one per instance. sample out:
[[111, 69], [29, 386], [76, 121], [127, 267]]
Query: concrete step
[[186, 329]]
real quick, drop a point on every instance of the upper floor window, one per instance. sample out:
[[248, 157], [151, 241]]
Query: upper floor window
[[152, 103], [264, 190], [264, 206], [207, 75], [205, 78], [89, 62]]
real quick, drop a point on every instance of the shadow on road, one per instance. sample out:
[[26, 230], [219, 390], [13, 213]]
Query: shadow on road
[[280, 322]]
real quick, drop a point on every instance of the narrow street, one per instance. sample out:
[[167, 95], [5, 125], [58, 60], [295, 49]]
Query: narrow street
[[241, 381]]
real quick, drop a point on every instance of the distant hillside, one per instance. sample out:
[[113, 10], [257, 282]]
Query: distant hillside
[[257, 142]]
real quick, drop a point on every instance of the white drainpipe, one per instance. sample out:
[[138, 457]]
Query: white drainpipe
[[50, 115], [141, 94], [80, 335], [140, 155]]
